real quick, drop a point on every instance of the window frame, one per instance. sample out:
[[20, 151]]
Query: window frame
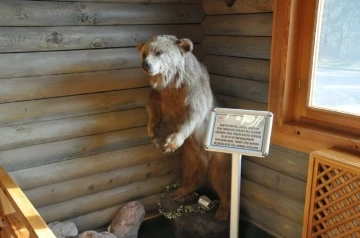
[[297, 126]]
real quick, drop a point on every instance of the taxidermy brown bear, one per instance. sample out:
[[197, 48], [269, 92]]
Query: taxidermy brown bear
[[181, 95]]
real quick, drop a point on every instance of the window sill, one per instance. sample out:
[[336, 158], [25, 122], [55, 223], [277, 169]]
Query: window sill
[[306, 138]]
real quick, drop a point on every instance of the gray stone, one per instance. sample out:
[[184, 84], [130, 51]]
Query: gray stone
[[127, 222], [63, 229], [94, 234]]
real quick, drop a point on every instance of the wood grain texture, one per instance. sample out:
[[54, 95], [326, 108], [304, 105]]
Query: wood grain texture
[[241, 88], [67, 190], [239, 25], [47, 153], [25, 39], [105, 199], [252, 69], [239, 46], [18, 113], [281, 183], [216, 7], [232, 102], [285, 163], [44, 63], [85, 166], [49, 131], [28, 13], [49, 86], [273, 201], [269, 219], [102, 218]]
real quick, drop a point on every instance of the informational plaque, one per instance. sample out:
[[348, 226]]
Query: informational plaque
[[245, 132]]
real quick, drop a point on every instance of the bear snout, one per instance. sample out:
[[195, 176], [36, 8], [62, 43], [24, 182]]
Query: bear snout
[[146, 65]]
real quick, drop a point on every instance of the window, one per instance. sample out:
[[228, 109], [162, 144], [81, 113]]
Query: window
[[335, 78], [315, 74]]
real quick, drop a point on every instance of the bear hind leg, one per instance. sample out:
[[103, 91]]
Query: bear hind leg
[[194, 170], [220, 178]]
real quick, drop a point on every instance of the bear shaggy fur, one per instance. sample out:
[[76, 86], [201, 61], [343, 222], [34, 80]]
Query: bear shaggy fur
[[181, 95]]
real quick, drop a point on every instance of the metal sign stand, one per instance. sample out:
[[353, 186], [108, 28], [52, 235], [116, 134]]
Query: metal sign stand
[[239, 132], [235, 195]]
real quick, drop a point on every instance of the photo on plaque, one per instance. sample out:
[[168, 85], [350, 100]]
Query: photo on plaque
[[239, 131]]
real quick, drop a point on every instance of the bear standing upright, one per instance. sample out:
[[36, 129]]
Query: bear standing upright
[[181, 94]]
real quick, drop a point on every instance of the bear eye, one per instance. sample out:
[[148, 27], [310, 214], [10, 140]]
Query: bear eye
[[158, 53]]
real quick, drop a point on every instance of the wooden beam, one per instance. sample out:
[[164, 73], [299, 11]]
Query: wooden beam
[[232, 102], [105, 199], [102, 218], [49, 131], [239, 46], [83, 186], [85, 166], [18, 113], [218, 7], [244, 68], [61, 62], [25, 39], [284, 184], [273, 201], [269, 219], [24, 209], [239, 25], [241, 88], [47, 153], [38, 87], [28, 13], [285, 163]]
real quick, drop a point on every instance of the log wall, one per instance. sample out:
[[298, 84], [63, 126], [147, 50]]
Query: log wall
[[237, 47], [72, 98]]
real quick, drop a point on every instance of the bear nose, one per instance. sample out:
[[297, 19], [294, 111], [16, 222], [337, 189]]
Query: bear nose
[[146, 65]]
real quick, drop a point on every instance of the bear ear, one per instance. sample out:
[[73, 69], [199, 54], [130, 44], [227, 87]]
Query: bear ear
[[185, 44], [140, 46]]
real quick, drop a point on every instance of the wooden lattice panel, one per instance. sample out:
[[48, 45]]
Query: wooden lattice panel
[[332, 207]]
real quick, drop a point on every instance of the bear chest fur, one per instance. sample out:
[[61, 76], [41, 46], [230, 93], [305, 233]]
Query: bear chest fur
[[173, 104]]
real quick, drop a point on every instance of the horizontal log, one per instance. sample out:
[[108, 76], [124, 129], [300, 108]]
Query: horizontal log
[[232, 102], [61, 62], [253, 69], [102, 218], [217, 7], [73, 106], [49, 131], [28, 13], [273, 201], [281, 183], [25, 39], [239, 46], [269, 219], [38, 87], [105, 199], [132, 1], [37, 155], [85, 166], [242, 88], [239, 25], [285, 163], [67, 190]]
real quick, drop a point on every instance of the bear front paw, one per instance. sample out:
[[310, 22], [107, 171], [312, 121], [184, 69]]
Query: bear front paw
[[172, 143]]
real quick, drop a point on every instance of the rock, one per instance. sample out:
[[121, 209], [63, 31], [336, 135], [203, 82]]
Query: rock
[[195, 224], [127, 222], [94, 234], [63, 229]]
